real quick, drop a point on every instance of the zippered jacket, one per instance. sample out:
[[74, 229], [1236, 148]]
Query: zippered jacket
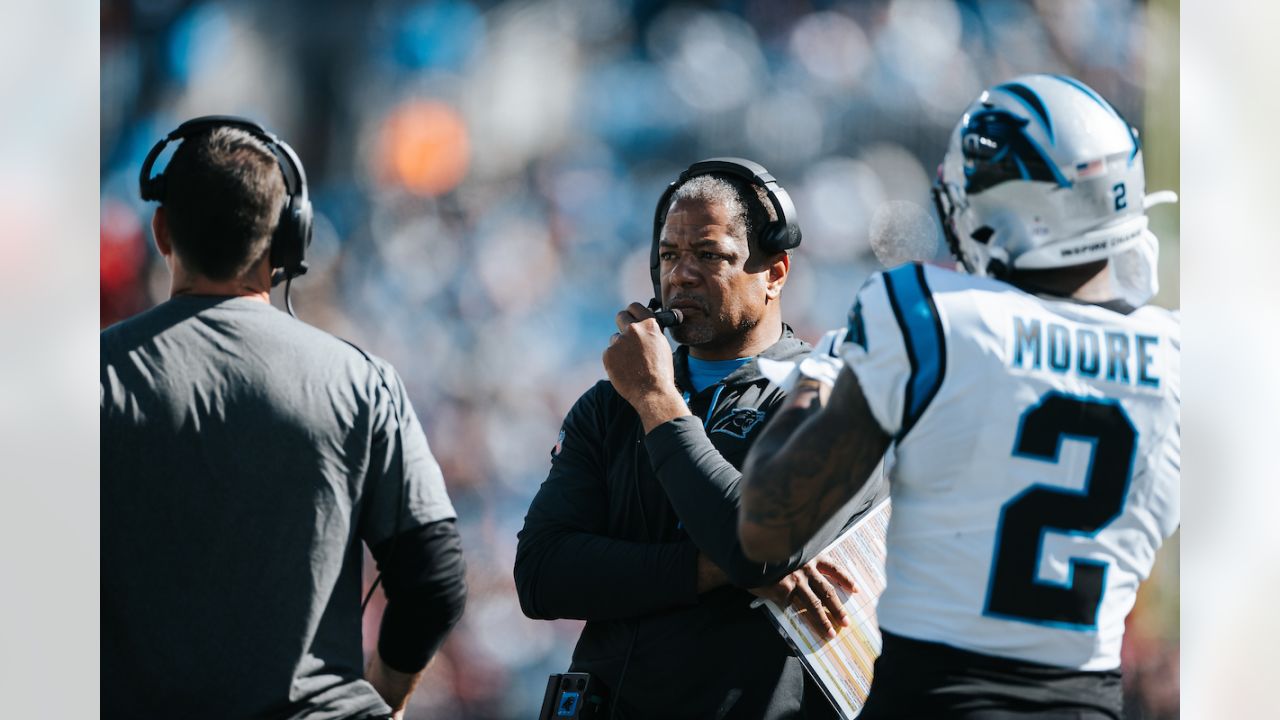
[[613, 534]]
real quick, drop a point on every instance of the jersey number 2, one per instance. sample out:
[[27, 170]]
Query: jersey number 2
[[1015, 590]]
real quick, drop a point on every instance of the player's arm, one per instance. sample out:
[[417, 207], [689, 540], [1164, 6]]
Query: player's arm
[[704, 489], [806, 465]]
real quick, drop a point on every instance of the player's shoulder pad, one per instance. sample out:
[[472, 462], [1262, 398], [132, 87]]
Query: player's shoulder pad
[[902, 291], [901, 344], [856, 328]]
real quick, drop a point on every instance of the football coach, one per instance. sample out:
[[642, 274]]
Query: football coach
[[634, 529], [245, 457]]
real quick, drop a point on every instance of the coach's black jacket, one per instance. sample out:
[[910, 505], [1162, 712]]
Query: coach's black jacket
[[612, 537]]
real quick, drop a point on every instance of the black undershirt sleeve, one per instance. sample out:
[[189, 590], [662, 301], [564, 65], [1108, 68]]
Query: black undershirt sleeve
[[423, 576], [704, 490]]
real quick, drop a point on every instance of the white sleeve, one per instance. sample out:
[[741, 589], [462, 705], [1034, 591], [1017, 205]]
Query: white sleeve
[[1168, 458], [894, 345]]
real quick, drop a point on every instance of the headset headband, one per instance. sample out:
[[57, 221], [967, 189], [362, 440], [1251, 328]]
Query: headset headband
[[295, 178]]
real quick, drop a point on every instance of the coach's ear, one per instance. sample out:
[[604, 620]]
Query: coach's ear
[[779, 268], [160, 230]]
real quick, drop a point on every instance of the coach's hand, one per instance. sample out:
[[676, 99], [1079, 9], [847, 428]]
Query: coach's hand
[[638, 362], [812, 591]]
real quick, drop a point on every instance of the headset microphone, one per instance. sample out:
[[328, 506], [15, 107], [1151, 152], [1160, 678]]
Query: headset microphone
[[665, 318], [668, 318]]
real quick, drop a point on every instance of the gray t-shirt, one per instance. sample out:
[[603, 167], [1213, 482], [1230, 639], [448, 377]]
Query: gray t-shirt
[[244, 456]]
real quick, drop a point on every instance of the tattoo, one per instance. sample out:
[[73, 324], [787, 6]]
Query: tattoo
[[810, 461]]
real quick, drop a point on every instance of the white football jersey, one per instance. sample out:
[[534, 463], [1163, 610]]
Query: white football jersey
[[1037, 459]]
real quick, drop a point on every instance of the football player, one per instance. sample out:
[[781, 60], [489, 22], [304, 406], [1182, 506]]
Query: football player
[[1032, 403]]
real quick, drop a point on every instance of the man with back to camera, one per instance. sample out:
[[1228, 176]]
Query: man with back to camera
[[1034, 405], [633, 530], [245, 455]]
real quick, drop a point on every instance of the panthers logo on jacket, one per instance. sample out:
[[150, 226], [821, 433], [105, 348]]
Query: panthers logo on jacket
[[738, 423]]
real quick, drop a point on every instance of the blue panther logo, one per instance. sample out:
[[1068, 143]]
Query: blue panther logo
[[738, 423], [998, 149]]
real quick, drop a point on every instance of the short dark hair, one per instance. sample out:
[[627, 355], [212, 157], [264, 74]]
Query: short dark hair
[[223, 194], [746, 203]]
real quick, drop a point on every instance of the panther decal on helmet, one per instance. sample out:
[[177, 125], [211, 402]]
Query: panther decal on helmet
[[1042, 172], [996, 150]]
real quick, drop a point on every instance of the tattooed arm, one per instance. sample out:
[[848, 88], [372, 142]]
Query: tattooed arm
[[806, 465]]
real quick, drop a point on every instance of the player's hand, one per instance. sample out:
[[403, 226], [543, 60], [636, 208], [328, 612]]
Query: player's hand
[[638, 362], [811, 590]]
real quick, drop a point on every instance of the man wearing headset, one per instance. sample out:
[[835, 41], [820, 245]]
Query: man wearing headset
[[633, 529], [245, 455]]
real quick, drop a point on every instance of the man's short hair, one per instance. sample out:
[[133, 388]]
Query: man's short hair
[[224, 191], [747, 204]]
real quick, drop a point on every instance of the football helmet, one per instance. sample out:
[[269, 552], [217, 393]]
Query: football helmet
[[1042, 172]]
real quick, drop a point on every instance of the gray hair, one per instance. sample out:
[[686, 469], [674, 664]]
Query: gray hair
[[747, 205]]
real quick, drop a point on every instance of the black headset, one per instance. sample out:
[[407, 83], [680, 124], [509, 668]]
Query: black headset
[[775, 237], [293, 233]]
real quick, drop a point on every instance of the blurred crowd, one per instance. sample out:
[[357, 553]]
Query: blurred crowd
[[484, 175]]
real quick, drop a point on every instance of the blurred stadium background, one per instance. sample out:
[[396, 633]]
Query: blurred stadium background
[[484, 175]]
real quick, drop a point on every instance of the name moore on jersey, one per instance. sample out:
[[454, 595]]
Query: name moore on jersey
[[1036, 447]]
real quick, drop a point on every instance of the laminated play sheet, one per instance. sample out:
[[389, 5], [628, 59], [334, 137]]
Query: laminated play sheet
[[843, 664]]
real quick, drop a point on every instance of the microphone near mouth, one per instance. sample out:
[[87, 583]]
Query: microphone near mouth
[[666, 318]]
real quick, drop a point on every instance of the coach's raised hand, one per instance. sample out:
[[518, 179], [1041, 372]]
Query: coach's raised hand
[[638, 362]]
